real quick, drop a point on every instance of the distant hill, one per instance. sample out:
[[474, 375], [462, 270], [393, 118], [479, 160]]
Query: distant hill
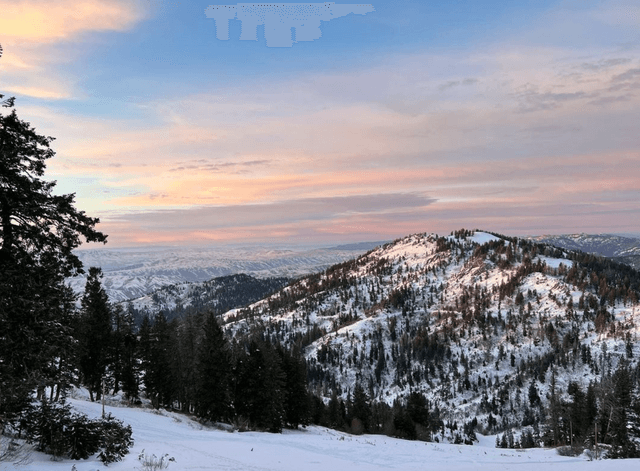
[[131, 273], [218, 294], [489, 328], [623, 249]]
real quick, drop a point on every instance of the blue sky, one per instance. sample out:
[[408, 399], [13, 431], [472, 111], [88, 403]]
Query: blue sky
[[516, 117]]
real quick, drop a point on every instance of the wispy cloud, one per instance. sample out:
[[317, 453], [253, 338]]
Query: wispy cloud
[[33, 31], [540, 129], [41, 22]]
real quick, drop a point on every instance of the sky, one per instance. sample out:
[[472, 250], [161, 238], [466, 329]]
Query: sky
[[521, 118]]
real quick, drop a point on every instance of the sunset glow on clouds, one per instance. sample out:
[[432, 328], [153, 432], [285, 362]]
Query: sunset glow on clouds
[[412, 118]]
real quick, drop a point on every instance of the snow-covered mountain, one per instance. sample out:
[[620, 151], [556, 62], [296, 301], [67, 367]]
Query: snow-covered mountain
[[623, 249], [135, 272], [218, 294], [481, 324]]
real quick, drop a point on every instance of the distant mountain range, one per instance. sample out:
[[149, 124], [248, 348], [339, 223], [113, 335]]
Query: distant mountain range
[[623, 249], [218, 294], [131, 273]]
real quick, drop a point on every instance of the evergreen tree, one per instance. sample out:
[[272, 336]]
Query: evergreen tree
[[145, 354], [360, 410], [620, 404], [578, 425], [38, 232], [212, 392], [62, 371], [129, 366], [161, 385], [418, 408], [94, 334], [297, 400], [115, 351], [260, 387], [554, 423], [189, 333], [335, 416]]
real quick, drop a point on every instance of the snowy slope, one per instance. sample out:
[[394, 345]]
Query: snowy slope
[[218, 294], [471, 320], [314, 448]]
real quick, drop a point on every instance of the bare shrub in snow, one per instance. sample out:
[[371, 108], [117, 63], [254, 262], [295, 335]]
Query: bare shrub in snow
[[153, 463]]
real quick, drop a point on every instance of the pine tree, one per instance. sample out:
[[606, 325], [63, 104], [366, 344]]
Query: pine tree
[[620, 403], [38, 232], [115, 350], [129, 366], [62, 372], [145, 354], [335, 417], [297, 401], [260, 387], [161, 381], [189, 334], [213, 368], [554, 412], [360, 410], [94, 334], [576, 412]]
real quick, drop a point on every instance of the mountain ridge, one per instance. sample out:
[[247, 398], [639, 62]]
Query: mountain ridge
[[479, 323]]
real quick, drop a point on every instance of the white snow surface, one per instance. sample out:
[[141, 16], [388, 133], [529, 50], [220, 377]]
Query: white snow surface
[[195, 447], [483, 237]]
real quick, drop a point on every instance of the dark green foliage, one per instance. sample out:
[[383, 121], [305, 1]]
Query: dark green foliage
[[260, 388], [44, 426], [527, 439], [404, 425], [124, 354], [213, 395], [145, 355], [55, 430], [94, 334], [534, 397], [36, 225], [82, 436], [115, 439], [297, 402], [418, 408], [38, 232], [336, 416], [185, 351], [617, 406], [159, 378], [360, 410]]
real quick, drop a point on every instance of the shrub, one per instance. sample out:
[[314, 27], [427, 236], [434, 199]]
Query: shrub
[[54, 429], [153, 463], [82, 437], [115, 439], [569, 451]]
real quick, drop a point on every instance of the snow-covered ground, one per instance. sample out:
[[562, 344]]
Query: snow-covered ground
[[315, 448]]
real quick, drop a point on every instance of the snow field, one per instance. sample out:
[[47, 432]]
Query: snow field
[[195, 447]]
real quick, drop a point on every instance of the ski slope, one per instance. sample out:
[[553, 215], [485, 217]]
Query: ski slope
[[195, 447]]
